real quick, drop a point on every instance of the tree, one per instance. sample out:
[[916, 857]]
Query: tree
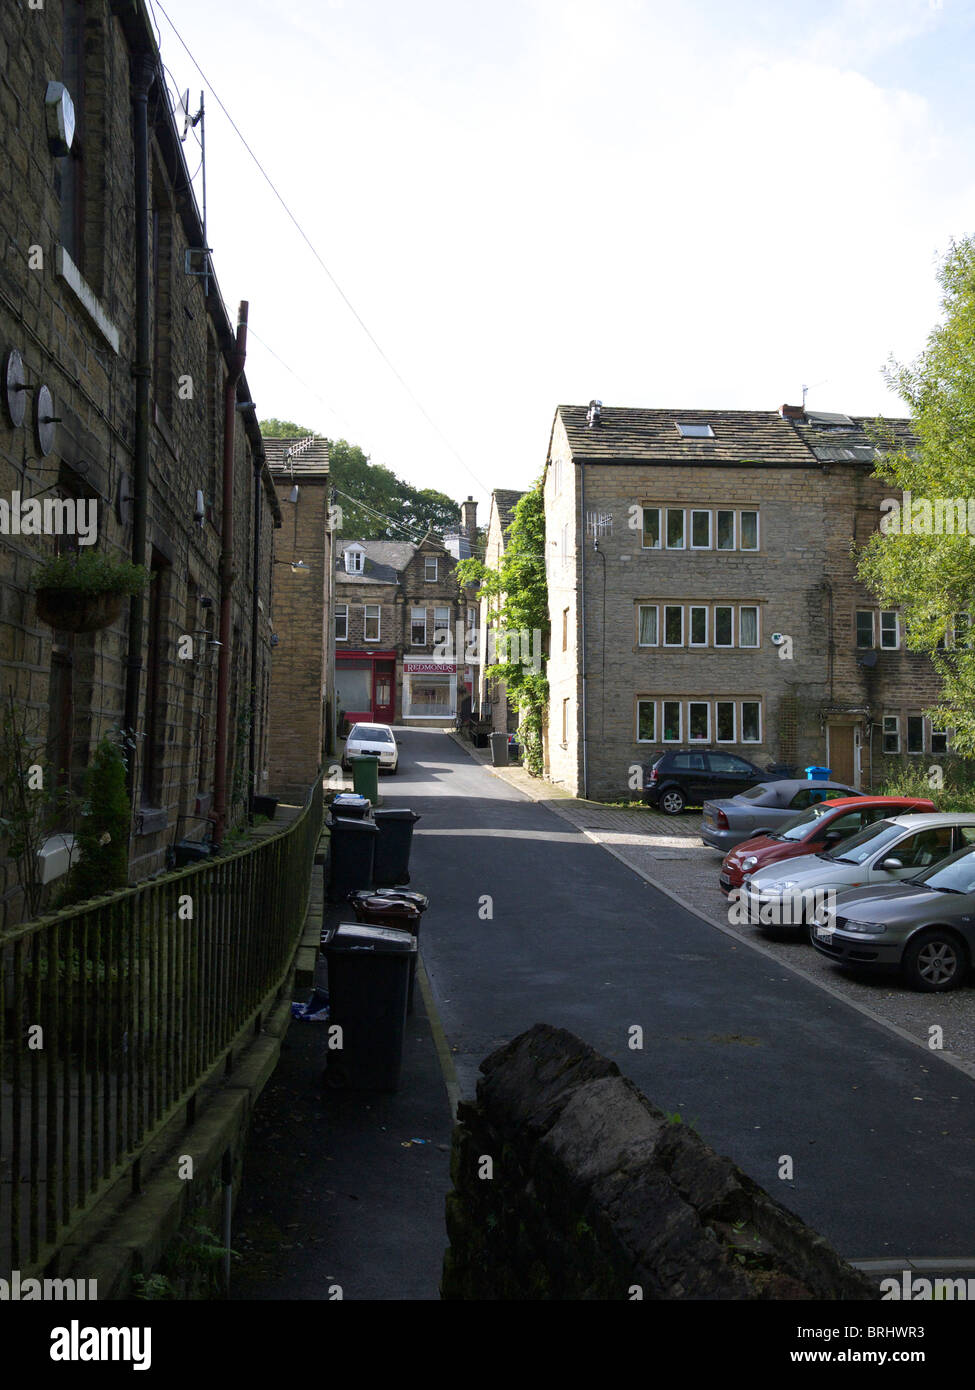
[[518, 593], [929, 576], [376, 504]]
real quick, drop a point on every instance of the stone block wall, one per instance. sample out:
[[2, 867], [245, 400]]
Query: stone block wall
[[569, 1184]]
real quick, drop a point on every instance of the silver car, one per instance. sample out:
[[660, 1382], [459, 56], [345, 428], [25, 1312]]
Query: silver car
[[924, 924], [372, 738], [767, 806]]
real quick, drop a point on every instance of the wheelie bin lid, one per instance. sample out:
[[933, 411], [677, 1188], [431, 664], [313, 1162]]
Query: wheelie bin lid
[[357, 936], [396, 813], [351, 803], [353, 825], [389, 907]]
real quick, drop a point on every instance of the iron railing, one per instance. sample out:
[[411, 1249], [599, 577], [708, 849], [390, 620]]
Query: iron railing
[[113, 1012]]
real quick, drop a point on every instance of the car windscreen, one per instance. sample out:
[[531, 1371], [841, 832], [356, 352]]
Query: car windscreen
[[754, 793], [798, 828], [954, 875], [371, 733], [860, 846]]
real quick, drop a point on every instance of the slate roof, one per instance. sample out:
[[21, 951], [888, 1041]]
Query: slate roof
[[308, 454], [753, 438], [505, 501], [853, 439], [384, 562]]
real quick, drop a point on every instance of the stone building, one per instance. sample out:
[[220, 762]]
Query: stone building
[[404, 629], [702, 591], [302, 681], [123, 387]]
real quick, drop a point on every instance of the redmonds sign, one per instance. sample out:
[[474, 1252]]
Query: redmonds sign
[[429, 668]]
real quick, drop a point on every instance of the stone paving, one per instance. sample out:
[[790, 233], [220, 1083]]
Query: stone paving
[[667, 851]]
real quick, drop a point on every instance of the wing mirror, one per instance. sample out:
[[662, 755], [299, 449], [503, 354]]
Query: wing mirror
[[832, 836], [892, 864]]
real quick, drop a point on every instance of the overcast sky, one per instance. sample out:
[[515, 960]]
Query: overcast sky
[[536, 202]]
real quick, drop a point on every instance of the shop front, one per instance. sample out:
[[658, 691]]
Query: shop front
[[430, 691], [365, 687]]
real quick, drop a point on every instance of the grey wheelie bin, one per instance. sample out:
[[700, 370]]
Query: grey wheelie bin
[[368, 986]]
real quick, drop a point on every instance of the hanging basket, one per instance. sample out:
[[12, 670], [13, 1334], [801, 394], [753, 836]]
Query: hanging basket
[[72, 610]]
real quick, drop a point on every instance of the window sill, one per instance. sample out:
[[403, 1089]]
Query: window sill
[[69, 275]]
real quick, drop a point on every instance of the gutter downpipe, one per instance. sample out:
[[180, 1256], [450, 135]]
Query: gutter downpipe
[[252, 750], [582, 533], [238, 357], [143, 74]]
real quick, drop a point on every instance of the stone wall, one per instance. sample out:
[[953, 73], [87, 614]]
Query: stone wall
[[569, 1184]]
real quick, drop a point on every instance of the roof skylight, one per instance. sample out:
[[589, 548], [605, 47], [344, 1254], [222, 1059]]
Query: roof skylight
[[691, 430]]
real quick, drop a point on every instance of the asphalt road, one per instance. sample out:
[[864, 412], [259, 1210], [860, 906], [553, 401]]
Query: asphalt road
[[765, 1065]]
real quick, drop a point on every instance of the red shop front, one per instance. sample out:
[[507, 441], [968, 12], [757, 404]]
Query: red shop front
[[365, 686]]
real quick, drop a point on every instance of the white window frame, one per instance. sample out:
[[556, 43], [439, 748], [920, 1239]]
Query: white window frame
[[697, 608], [734, 722], [683, 528], [365, 621], [707, 736], [441, 608], [565, 544], [726, 511], [741, 721], [354, 561], [663, 721], [429, 560], [413, 621], [724, 646], [653, 706], [913, 752], [643, 529], [556, 476], [754, 608], [750, 511], [639, 624], [667, 607], [895, 733], [885, 646], [701, 511], [342, 611], [943, 734]]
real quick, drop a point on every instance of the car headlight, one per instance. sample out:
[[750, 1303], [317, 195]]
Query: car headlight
[[864, 928], [750, 862]]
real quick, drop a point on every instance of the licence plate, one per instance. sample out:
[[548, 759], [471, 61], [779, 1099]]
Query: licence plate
[[708, 818], [725, 880], [824, 934]]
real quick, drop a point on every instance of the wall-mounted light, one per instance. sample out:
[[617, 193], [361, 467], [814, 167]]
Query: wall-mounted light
[[297, 566], [200, 512], [293, 494]]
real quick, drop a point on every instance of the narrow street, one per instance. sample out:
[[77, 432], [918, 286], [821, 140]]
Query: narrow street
[[763, 1063]]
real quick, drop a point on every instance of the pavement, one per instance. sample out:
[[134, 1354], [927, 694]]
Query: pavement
[[606, 921]]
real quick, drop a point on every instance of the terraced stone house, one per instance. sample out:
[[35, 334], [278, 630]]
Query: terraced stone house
[[702, 592]]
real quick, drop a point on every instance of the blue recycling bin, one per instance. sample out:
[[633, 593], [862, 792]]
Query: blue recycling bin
[[819, 774]]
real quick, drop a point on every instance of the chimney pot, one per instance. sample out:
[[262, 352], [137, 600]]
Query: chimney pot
[[792, 412]]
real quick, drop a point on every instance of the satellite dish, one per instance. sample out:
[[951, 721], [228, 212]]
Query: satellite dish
[[184, 106]]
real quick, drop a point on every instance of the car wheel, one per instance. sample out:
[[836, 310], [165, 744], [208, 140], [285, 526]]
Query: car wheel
[[935, 961], [672, 801], [393, 770]]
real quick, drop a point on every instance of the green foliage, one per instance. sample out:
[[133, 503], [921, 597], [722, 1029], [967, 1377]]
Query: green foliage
[[31, 802], [376, 504], [517, 594], [103, 832], [906, 778], [91, 572], [932, 577]]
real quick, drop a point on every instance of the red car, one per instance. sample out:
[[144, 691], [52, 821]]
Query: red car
[[818, 828]]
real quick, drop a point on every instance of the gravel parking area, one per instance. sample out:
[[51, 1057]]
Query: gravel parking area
[[668, 852]]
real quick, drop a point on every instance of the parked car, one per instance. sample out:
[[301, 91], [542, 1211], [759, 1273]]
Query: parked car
[[820, 827], [689, 776], [372, 738], [767, 806], [925, 925], [895, 848]]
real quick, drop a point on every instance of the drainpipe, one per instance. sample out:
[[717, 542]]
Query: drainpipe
[[582, 548], [237, 358], [252, 750], [143, 76]]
